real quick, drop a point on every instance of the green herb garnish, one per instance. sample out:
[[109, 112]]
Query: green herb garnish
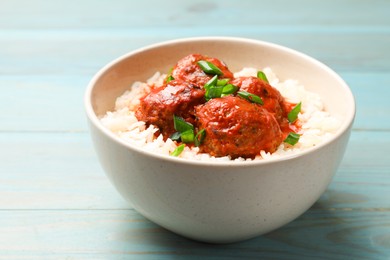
[[175, 136], [216, 88], [178, 150], [200, 137], [213, 92], [250, 97], [293, 115], [169, 79], [212, 82], [209, 68], [181, 125], [229, 89], [185, 132], [222, 82], [292, 138], [262, 76], [187, 136]]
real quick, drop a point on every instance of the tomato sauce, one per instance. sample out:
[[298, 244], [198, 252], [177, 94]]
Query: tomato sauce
[[233, 126]]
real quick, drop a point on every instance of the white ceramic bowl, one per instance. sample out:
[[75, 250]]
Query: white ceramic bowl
[[218, 202]]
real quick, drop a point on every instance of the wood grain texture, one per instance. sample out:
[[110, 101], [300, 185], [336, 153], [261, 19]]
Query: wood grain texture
[[43, 14], [53, 171], [56, 202], [68, 52], [102, 234]]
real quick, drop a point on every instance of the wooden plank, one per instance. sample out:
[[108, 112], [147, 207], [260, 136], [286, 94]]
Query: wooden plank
[[56, 202], [84, 52], [55, 103], [371, 94], [61, 171], [46, 170], [43, 103], [59, 14], [115, 234]]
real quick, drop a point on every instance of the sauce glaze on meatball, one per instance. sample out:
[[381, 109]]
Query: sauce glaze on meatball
[[237, 127], [188, 70], [176, 97], [233, 126]]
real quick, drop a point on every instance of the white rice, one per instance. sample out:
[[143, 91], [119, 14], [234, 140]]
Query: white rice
[[317, 124]]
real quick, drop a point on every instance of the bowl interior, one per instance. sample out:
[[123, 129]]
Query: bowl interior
[[237, 53]]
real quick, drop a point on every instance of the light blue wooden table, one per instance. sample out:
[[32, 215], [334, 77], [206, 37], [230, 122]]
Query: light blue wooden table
[[55, 201]]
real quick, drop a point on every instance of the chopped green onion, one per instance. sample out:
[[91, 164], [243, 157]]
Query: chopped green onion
[[181, 125], [212, 82], [229, 89], [175, 136], [216, 88], [178, 150], [209, 68], [185, 132], [262, 76], [169, 78], [293, 115], [200, 137], [187, 136], [250, 97], [213, 92], [222, 82], [292, 138]]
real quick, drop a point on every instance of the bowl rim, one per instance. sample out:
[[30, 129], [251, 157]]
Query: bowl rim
[[94, 119]]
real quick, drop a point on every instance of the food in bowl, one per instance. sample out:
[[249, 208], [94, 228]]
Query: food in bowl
[[215, 199], [203, 111]]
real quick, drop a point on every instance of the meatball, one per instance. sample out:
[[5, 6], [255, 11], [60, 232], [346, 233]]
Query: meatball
[[273, 100], [188, 70], [237, 127], [176, 97]]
